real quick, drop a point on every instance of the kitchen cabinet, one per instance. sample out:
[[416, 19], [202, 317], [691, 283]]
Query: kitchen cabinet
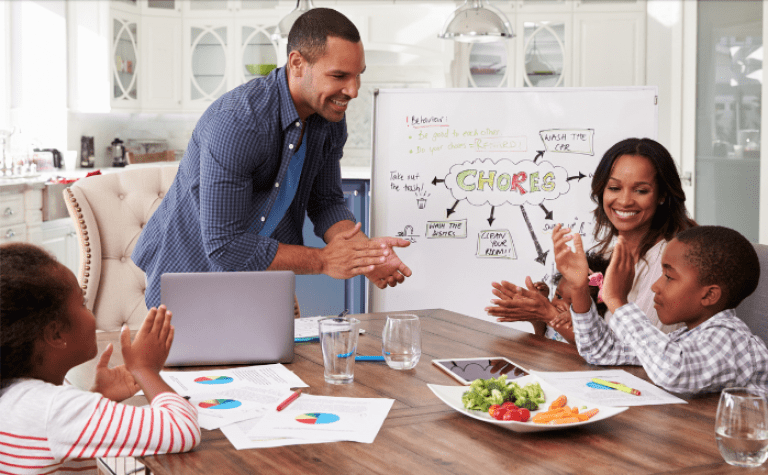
[[609, 49], [561, 43], [323, 295], [21, 212], [211, 8], [59, 237], [220, 54], [161, 44], [125, 64]]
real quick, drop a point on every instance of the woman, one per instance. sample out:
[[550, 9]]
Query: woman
[[639, 196]]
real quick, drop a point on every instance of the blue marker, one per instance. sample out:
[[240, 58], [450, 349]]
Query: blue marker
[[307, 339], [369, 358]]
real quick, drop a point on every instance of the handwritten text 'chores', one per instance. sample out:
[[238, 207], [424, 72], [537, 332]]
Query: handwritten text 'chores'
[[505, 182], [477, 179]]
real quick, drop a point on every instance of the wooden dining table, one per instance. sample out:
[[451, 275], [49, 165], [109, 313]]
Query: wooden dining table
[[422, 435]]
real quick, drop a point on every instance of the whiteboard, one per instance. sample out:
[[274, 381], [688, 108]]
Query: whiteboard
[[476, 179]]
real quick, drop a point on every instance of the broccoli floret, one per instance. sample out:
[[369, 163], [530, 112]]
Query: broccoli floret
[[528, 404], [472, 399], [483, 393]]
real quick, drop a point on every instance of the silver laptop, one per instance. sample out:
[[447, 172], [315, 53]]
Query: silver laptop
[[230, 317]]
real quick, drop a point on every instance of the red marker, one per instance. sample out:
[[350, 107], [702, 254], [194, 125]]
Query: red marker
[[290, 399]]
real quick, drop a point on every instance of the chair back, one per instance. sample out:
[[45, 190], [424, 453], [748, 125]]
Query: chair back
[[754, 309], [110, 211]]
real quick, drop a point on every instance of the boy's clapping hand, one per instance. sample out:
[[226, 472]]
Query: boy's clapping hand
[[572, 264], [619, 276]]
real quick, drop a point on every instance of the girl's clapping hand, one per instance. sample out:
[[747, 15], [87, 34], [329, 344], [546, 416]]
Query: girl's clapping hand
[[116, 384]]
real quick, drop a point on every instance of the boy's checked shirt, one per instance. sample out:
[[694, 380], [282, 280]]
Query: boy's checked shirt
[[721, 352]]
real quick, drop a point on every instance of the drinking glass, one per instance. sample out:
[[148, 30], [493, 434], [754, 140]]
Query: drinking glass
[[401, 341], [741, 426], [338, 338]]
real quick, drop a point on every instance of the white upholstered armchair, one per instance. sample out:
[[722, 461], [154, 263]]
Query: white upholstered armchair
[[109, 212]]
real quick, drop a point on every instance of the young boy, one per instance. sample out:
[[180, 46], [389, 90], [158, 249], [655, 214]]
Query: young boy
[[707, 272]]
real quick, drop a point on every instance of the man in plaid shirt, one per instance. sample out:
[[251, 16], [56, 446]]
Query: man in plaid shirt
[[708, 271], [261, 158]]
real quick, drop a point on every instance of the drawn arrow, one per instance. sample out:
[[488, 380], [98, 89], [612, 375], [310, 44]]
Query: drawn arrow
[[452, 209], [579, 177], [542, 255], [491, 219], [539, 154], [547, 213], [436, 181]]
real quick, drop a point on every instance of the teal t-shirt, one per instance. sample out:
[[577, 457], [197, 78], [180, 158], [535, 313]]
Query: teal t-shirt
[[287, 191]]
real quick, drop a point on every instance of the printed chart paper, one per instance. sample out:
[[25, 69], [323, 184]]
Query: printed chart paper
[[575, 382], [217, 409], [188, 383], [238, 435], [324, 418]]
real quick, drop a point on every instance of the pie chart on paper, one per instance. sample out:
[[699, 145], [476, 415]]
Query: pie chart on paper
[[214, 380], [220, 404], [317, 418]]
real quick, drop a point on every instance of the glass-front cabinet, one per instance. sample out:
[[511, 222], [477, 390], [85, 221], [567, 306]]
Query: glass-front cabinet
[[258, 53], [125, 65], [209, 62], [544, 54], [222, 55], [488, 64]]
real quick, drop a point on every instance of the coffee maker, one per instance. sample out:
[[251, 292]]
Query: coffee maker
[[118, 154], [87, 157]]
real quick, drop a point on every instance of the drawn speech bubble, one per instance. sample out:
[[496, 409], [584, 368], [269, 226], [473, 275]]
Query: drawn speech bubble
[[484, 181]]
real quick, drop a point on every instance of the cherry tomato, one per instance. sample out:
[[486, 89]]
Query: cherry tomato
[[499, 415], [492, 410], [509, 405], [513, 415], [525, 414]]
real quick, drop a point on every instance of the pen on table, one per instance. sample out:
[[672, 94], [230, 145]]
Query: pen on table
[[290, 399], [306, 339], [615, 385], [369, 358], [344, 313]]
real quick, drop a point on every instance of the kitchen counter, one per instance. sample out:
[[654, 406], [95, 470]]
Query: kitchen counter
[[15, 185]]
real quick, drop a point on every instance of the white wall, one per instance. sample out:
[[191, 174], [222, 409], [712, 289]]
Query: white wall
[[38, 87]]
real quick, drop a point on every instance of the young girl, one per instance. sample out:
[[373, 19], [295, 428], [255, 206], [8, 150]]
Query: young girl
[[45, 331], [639, 196]]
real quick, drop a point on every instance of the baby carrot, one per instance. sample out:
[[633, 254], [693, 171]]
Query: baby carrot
[[559, 402], [590, 413], [564, 420]]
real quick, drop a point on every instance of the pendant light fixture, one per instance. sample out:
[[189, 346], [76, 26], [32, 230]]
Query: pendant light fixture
[[477, 21], [284, 26]]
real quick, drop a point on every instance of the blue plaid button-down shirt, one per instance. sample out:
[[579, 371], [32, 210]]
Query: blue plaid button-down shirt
[[229, 178]]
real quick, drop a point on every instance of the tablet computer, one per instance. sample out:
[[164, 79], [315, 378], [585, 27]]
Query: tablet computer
[[466, 370]]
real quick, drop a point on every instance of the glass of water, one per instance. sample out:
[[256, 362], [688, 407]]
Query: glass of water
[[401, 341], [741, 426], [338, 339]]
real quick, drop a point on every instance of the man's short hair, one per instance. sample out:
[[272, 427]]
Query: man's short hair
[[309, 34], [722, 257]]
